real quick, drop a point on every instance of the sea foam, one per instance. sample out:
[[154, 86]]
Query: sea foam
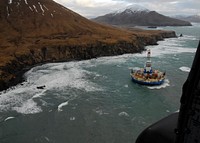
[[61, 105], [123, 114], [9, 118], [60, 76], [28, 107], [185, 69], [170, 46], [164, 85]]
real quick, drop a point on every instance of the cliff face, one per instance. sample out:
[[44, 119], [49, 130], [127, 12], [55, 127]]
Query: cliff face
[[39, 31], [11, 72]]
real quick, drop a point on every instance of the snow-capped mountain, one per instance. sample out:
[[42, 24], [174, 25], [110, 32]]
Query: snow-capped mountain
[[132, 9], [135, 15]]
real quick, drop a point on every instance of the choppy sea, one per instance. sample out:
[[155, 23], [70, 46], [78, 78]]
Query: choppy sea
[[95, 101]]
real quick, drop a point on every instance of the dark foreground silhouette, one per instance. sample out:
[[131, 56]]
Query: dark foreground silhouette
[[183, 126]]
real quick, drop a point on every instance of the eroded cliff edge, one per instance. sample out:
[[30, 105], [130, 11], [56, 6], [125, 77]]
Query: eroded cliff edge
[[60, 49]]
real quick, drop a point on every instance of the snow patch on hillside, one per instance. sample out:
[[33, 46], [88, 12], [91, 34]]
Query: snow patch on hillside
[[132, 8], [30, 8], [10, 2], [35, 8], [137, 8], [8, 13], [26, 2], [45, 7], [41, 8]]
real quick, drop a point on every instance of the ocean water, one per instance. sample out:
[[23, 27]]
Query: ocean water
[[95, 101]]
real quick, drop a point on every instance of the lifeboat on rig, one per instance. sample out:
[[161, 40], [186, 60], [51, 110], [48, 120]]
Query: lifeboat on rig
[[147, 75]]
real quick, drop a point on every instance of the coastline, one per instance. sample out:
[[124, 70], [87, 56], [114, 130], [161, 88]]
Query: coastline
[[15, 69]]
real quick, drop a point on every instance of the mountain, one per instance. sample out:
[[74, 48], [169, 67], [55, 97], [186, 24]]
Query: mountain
[[35, 32], [139, 16], [191, 18], [33, 24], [44, 18], [132, 8]]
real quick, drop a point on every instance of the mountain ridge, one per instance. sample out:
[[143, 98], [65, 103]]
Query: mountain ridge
[[133, 8], [190, 18], [142, 17]]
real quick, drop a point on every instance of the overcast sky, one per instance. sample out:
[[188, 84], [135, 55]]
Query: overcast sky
[[93, 8]]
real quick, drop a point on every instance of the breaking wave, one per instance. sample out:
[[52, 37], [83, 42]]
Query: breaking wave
[[185, 69], [60, 76], [164, 85]]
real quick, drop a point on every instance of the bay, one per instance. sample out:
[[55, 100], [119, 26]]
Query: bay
[[95, 101]]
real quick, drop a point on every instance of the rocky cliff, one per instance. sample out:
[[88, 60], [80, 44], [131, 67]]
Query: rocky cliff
[[12, 72], [34, 32]]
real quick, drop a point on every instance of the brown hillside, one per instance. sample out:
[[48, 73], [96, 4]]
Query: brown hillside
[[38, 31]]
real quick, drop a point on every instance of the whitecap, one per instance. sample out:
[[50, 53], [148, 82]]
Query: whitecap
[[72, 118], [57, 76], [61, 76], [20, 99], [188, 37], [47, 139], [39, 94], [170, 46], [9, 118], [166, 47], [164, 85], [123, 114], [100, 112], [116, 60], [28, 107], [134, 68], [185, 69], [61, 106], [126, 85]]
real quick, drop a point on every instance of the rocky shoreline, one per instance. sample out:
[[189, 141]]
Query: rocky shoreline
[[12, 73]]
